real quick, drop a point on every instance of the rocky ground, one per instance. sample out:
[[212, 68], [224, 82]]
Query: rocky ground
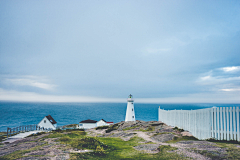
[[154, 134]]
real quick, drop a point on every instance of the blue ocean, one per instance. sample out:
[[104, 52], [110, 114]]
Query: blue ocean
[[14, 114]]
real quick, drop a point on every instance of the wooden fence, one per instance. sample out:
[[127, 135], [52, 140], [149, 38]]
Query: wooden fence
[[25, 128], [218, 123]]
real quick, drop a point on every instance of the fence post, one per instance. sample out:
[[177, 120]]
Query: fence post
[[237, 110], [7, 131], [224, 123], [221, 123], [234, 124], [231, 133]]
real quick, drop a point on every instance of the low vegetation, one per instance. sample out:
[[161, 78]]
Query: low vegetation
[[78, 144], [178, 129], [70, 126], [111, 128], [182, 138], [3, 135], [101, 127], [129, 128]]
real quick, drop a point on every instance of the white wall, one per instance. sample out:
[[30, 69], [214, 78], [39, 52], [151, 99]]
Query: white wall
[[219, 123], [48, 124], [87, 125], [101, 123], [130, 112]]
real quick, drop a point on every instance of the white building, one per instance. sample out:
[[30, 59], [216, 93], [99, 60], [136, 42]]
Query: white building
[[102, 122], [48, 123], [87, 124], [130, 113]]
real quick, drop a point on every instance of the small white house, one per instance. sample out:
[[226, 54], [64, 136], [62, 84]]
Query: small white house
[[48, 123], [87, 124], [102, 122]]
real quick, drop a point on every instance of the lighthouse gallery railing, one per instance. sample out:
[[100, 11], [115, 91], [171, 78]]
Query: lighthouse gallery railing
[[219, 123]]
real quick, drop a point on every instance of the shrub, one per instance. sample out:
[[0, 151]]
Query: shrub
[[65, 139], [101, 127], [111, 128], [69, 130], [178, 129], [88, 143]]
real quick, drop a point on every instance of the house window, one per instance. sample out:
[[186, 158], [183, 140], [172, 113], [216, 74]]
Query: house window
[[132, 109], [133, 116], [44, 121], [80, 125], [132, 103]]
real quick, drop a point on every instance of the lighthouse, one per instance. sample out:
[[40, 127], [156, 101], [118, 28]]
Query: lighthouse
[[130, 113]]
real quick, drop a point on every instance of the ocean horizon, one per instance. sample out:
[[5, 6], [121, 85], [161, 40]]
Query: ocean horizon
[[14, 114]]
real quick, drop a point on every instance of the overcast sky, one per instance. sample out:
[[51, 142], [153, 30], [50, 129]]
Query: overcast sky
[[101, 51]]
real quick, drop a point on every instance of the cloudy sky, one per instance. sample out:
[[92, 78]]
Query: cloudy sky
[[101, 51]]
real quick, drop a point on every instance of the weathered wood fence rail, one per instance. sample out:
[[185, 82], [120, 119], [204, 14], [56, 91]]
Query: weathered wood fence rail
[[25, 128], [219, 123]]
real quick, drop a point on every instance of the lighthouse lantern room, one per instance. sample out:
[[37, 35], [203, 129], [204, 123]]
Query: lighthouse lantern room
[[130, 113]]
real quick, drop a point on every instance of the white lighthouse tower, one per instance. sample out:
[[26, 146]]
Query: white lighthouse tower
[[130, 113]]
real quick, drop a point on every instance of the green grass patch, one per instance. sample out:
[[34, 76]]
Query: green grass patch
[[111, 128], [3, 137], [37, 134], [20, 153], [149, 129], [183, 138], [164, 133], [128, 128], [70, 125], [223, 141], [232, 150]]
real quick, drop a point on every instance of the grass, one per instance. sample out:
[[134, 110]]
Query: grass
[[37, 134], [183, 138], [232, 150], [223, 141], [111, 128], [20, 153], [116, 148], [164, 133], [128, 128], [70, 125], [2, 137], [149, 129]]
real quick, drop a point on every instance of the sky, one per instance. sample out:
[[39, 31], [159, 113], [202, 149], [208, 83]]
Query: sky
[[160, 51]]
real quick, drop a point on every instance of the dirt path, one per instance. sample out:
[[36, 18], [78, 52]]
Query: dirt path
[[147, 138], [181, 149], [20, 136]]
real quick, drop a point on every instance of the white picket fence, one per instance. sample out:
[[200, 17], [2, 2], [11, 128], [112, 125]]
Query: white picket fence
[[219, 123]]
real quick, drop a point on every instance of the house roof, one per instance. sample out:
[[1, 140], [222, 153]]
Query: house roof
[[109, 122], [49, 117], [88, 121], [103, 120]]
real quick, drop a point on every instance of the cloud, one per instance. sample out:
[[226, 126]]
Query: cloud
[[231, 69], [33, 81], [220, 97], [12, 95], [205, 78], [219, 80], [231, 90]]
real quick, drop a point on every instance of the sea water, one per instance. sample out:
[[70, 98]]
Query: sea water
[[14, 114]]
